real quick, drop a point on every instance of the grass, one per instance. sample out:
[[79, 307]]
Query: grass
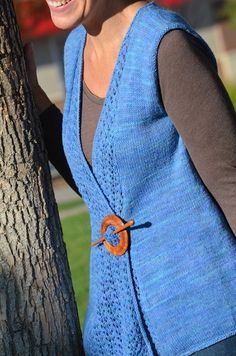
[[76, 230], [70, 204], [231, 89]]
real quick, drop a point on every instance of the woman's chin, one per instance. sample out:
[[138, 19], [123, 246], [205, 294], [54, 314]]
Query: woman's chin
[[63, 23]]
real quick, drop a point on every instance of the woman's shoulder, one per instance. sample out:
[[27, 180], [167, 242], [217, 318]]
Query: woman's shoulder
[[161, 17], [159, 25], [181, 43]]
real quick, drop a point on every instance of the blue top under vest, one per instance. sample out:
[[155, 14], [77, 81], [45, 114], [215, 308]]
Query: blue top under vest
[[174, 290]]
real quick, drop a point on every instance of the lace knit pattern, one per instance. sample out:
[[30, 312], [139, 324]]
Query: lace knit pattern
[[108, 330], [112, 282]]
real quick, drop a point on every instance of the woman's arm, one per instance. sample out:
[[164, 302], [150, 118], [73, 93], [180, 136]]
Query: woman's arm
[[51, 121], [202, 112]]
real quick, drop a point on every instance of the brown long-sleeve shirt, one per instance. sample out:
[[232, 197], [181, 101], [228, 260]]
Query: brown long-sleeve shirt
[[195, 99]]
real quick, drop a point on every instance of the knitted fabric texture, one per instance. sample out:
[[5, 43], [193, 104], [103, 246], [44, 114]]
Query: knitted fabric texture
[[173, 292]]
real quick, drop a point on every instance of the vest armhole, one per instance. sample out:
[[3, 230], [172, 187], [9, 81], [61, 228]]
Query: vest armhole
[[203, 44]]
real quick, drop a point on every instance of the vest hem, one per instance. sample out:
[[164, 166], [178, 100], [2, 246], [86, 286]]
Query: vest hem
[[209, 343]]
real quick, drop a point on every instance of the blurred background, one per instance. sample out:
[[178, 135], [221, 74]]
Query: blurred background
[[214, 20]]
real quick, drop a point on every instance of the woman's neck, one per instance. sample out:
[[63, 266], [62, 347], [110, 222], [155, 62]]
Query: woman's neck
[[109, 24]]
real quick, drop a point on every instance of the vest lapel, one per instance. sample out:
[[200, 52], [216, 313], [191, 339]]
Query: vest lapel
[[86, 178]]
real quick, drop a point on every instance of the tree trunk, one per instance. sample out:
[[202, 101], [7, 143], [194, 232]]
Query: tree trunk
[[38, 314]]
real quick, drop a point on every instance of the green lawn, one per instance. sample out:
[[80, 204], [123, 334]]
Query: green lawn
[[70, 204], [231, 89], [76, 230]]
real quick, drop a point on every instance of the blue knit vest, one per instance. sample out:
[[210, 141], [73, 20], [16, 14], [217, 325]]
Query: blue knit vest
[[173, 292]]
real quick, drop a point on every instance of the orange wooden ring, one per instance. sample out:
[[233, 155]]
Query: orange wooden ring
[[121, 248]]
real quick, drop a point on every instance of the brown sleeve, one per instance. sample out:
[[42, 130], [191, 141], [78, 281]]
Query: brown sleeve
[[203, 114], [51, 121]]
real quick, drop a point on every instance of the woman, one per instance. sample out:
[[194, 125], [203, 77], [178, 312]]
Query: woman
[[158, 177]]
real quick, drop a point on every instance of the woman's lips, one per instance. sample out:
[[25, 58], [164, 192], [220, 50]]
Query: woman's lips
[[58, 6]]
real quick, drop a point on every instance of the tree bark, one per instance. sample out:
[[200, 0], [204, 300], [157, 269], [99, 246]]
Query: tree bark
[[38, 314]]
